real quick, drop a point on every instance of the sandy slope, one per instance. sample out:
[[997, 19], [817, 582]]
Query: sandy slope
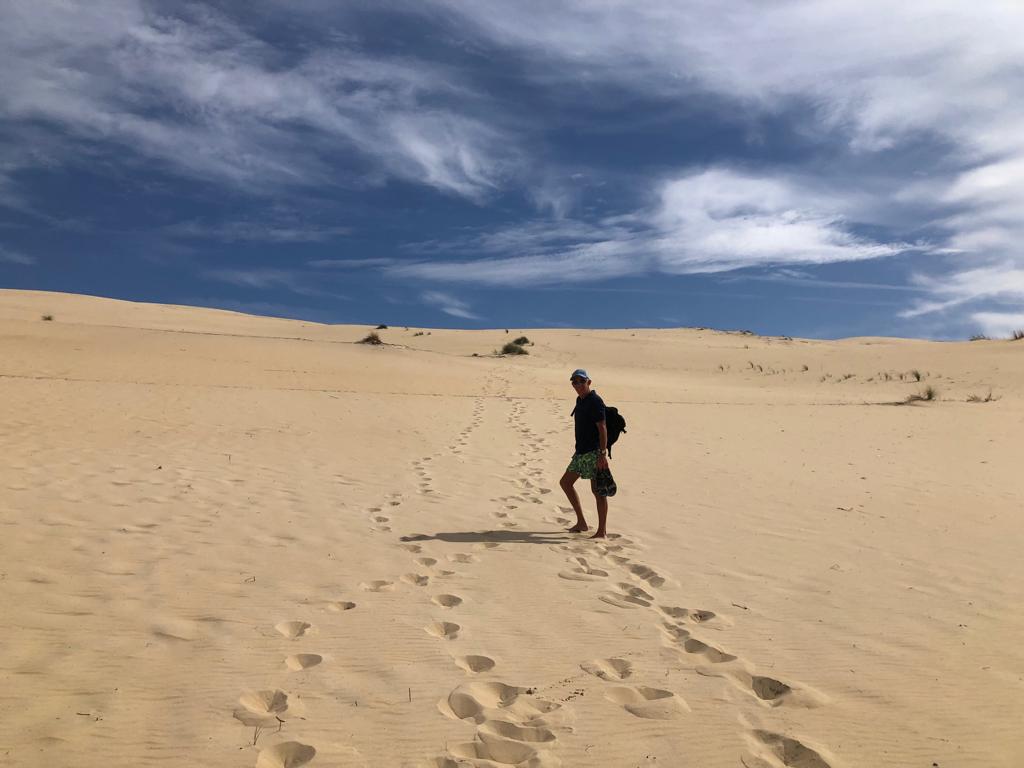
[[215, 522]]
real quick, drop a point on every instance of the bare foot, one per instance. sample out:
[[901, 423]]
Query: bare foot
[[579, 528], [600, 535]]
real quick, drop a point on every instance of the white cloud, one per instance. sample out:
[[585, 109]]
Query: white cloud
[[8, 256], [267, 278], [878, 75], [1003, 282], [273, 231], [711, 221], [204, 97], [998, 323], [349, 263], [449, 305]]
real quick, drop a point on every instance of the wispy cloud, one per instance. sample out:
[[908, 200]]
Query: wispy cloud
[[998, 323], [342, 264], [8, 256], [1004, 282], [264, 279], [199, 93], [450, 305], [712, 221], [878, 77], [256, 230]]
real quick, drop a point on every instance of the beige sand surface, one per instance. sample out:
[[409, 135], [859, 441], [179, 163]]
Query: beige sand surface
[[221, 529]]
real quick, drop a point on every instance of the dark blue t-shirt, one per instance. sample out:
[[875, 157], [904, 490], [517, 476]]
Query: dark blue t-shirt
[[589, 411]]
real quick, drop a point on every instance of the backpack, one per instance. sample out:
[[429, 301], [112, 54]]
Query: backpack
[[615, 423]]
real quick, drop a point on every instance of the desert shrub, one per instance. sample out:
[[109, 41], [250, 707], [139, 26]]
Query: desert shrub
[[418, 333], [979, 337], [1017, 335], [48, 318], [916, 374], [521, 341], [382, 327], [979, 399], [370, 338], [926, 395], [511, 348]]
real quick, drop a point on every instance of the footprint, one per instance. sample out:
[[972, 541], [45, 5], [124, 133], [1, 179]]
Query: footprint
[[480, 702], [680, 614], [340, 605], [495, 752], [416, 579], [524, 733], [608, 669], [288, 754], [648, 703], [769, 691], [674, 612], [426, 562], [783, 751], [682, 638], [712, 654], [631, 597], [411, 547], [293, 629], [462, 557], [262, 708], [623, 601], [445, 629], [303, 661], [447, 601], [381, 519], [378, 585], [474, 663], [648, 574], [583, 574], [768, 688]]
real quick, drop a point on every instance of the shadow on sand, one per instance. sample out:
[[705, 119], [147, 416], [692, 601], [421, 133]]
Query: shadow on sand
[[502, 536]]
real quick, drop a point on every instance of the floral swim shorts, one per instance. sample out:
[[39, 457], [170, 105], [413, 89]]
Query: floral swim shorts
[[583, 464]]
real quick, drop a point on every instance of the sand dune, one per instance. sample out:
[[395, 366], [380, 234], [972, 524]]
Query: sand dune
[[244, 541]]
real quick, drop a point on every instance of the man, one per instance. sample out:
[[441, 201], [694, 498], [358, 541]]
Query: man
[[591, 452]]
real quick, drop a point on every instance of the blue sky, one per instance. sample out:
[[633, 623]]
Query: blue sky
[[819, 169]]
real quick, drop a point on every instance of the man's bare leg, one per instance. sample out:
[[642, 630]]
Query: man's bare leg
[[567, 481], [602, 513]]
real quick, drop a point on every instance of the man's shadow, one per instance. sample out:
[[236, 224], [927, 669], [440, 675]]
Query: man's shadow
[[502, 537]]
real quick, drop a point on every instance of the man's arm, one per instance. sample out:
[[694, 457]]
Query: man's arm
[[602, 434]]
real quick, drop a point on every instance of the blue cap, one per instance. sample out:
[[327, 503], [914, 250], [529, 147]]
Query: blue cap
[[580, 373]]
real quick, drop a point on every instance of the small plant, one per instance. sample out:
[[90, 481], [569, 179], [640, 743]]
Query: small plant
[[511, 348], [804, 368], [1017, 335], [846, 376], [418, 333], [522, 341], [916, 374], [48, 318], [979, 399], [382, 327], [980, 337], [370, 338], [926, 395]]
